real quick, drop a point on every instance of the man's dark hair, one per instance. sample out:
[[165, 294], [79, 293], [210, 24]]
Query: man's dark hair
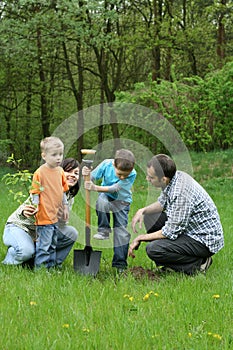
[[124, 160], [163, 166]]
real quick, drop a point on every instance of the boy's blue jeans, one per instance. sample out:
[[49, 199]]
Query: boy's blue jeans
[[120, 211], [46, 245]]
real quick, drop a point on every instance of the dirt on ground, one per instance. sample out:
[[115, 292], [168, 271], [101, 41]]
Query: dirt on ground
[[138, 272]]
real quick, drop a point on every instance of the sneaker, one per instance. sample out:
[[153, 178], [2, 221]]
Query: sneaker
[[204, 267], [120, 271], [101, 235]]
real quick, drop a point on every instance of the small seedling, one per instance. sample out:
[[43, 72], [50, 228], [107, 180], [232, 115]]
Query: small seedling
[[21, 179]]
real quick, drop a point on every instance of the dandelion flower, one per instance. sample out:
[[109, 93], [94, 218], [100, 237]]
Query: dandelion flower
[[86, 330], [146, 297], [130, 298], [217, 336], [33, 303], [65, 325], [190, 334], [216, 296]]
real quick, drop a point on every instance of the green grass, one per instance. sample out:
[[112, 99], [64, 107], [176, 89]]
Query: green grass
[[68, 311]]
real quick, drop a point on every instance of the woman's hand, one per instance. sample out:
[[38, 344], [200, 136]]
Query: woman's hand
[[29, 210], [65, 212]]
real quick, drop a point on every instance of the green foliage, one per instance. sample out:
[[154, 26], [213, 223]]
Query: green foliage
[[199, 109], [110, 46], [19, 182], [4, 149]]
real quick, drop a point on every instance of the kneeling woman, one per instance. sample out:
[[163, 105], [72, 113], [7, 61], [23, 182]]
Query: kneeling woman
[[20, 232]]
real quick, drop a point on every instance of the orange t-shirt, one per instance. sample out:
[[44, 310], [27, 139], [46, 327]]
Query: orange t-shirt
[[49, 184]]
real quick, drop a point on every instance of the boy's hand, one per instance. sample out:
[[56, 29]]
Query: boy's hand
[[89, 185], [86, 171]]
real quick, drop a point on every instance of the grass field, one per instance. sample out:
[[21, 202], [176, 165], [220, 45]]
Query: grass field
[[171, 312]]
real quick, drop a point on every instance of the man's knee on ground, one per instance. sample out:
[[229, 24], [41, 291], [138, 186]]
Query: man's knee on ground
[[155, 249]]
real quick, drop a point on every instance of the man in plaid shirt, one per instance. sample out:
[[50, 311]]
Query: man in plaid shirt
[[183, 226]]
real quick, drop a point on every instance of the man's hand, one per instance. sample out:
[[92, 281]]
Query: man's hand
[[29, 210], [134, 246], [138, 217]]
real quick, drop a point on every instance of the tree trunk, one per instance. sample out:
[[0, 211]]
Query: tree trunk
[[78, 94], [43, 91], [221, 37]]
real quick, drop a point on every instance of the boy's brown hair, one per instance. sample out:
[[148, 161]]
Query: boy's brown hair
[[124, 160]]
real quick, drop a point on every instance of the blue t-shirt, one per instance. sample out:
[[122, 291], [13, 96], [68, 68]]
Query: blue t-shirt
[[118, 189]]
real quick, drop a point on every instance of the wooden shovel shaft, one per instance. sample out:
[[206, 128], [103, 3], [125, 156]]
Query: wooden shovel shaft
[[87, 194], [88, 210], [87, 214]]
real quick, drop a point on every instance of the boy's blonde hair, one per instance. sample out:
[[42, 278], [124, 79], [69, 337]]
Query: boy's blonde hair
[[49, 142], [124, 160]]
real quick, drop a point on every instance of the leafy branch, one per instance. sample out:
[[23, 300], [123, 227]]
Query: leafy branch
[[21, 179]]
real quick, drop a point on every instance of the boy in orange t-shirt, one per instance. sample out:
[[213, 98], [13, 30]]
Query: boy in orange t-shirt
[[48, 192]]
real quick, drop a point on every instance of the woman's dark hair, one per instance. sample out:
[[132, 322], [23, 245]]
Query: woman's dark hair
[[163, 166], [69, 164]]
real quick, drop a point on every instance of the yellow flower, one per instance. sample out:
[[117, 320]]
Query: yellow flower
[[130, 298], [146, 297], [86, 330], [126, 295], [65, 325], [217, 336], [33, 303], [209, 333], [156, 294], [190, 334], [216, 296]]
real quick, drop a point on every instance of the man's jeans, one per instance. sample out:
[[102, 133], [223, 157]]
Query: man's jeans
[[120, 210]]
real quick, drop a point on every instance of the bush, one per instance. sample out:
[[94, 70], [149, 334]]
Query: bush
[[201, 110]]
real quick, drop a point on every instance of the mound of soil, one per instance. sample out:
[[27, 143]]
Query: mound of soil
[[139, 272]]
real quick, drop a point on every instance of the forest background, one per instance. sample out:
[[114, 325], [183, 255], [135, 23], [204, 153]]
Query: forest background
[[60, 57]]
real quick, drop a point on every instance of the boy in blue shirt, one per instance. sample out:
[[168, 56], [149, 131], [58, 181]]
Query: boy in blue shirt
[[118, 176]]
